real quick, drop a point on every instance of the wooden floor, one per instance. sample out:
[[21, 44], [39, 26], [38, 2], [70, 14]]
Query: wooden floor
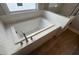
[[64, 44]]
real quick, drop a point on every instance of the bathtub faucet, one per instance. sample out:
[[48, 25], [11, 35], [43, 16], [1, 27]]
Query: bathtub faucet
[[25, 37]]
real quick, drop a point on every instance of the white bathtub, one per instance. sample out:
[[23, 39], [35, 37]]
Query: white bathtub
[[40, 26], [37, 30]]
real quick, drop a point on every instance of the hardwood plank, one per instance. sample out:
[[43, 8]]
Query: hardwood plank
[[66, 43]]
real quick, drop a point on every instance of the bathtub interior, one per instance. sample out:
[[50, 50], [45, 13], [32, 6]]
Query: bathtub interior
[[31, 26], [40, 23], [57, 19]]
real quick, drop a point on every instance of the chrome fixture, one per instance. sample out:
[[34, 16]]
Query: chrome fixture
[[25, 37]]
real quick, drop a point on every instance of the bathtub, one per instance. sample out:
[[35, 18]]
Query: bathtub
[[37, 27], [36, 30], [39, 30]]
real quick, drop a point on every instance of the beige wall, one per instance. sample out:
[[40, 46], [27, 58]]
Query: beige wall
[[67, 8], [43, 6], [54, 8], [75, 23], [1, 10], [50, 6]]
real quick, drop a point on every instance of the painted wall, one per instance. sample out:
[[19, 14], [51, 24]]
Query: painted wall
[[1, 11], [55, 7], [75, 23], [67, 8]]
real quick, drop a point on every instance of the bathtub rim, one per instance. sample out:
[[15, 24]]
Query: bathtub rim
[[35, 33]]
